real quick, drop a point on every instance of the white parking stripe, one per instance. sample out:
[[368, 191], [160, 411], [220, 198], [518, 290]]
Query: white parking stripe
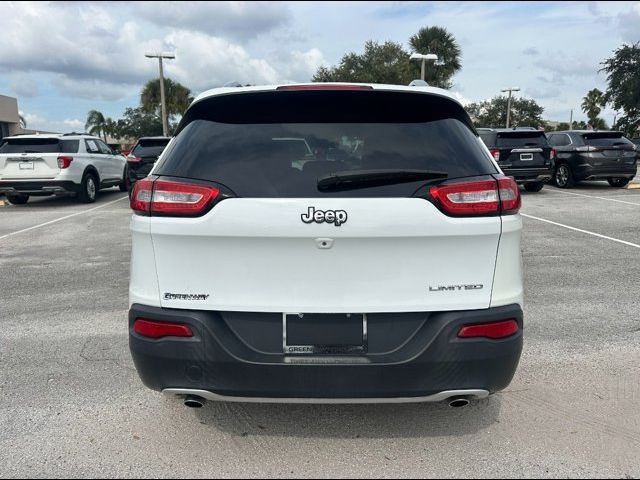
[[62, 218], [593, 196], [581, 231]]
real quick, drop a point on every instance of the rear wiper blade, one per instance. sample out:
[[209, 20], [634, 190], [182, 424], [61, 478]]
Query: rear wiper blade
[[353, 179]]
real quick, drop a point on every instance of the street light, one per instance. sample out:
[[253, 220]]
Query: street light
[[423, 58], [160, 56], [512, 89]]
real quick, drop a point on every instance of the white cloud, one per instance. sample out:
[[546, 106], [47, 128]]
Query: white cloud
[[74, 124], [237, 20]]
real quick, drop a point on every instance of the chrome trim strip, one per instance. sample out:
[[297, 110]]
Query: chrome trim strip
[[438, 397], [527, 150]]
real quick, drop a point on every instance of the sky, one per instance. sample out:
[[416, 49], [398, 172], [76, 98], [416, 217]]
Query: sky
[[62, 59]]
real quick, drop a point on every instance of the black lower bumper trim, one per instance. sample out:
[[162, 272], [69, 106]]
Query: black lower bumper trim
[[38, 188], [220, 358]]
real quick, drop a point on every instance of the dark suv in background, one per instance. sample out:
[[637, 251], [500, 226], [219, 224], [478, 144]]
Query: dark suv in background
[[144, 155], [593, 155], [522, 153]]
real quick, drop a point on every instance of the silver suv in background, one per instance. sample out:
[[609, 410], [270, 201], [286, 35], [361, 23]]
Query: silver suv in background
[[41, 165]]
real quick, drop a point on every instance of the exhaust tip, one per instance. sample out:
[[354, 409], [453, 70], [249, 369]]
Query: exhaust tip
[[192, 401], [459, 402]]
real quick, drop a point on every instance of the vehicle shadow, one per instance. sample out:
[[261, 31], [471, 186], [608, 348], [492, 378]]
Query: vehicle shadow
[[350, 421], [69, 200]]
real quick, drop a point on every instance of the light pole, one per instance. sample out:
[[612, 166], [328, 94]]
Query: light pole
[[423, 58], [163, 106], [512, 89]]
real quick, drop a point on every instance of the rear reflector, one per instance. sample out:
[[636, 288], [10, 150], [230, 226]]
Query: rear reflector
[[171, 198], [152, 329], [484, 197], [495, 331], [64, 161], [325, 86]]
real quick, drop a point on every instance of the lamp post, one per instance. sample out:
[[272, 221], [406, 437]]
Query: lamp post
[[163, 106], [512, 89], [423, 58]]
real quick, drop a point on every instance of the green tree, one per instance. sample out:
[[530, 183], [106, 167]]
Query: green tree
[[563, 126], [598, 124], [177, 97], [581, 125], [493, 113], [592, 104], [439, 41], [97, 124], [623, 91], [137, 123], [386, 63]]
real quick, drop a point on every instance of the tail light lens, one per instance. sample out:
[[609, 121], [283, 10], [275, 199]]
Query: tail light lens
[[554, 154], [170, 198], [495, 153], [153, 329], [133, 159], [494, 330], [479, 198], [64, 161]]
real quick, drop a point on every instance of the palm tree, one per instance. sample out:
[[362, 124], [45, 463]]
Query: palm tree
[[177, 97], [23, 121], [592, 104], [439, 41], [95, 124]]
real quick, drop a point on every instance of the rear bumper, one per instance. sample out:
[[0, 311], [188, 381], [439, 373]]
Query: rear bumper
[[588, 172], [412, 357], [530, 175], [38, 188]]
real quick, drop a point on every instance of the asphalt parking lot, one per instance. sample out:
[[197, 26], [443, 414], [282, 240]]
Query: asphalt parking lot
[[71, 403]]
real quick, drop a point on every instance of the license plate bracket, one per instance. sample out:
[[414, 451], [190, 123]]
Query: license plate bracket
[[324, 333]]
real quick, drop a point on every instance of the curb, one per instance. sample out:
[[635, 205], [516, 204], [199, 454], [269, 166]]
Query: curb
[[631, 186]]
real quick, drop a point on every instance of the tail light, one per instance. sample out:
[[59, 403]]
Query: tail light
[[152, 329], [64, 161], [171, 198], [494, 330], [495, 153], [554, 154], [133, 159], [479, 198]]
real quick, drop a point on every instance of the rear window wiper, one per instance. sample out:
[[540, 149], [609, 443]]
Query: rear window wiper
[[353, 179]]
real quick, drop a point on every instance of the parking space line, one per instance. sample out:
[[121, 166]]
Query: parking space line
[[62, 218], [593, 196], [624, 242]]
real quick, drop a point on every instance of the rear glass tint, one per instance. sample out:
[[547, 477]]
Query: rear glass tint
[[39, 145], [522, 139], [149, 148], [489, 138], [605, 139], [301, 138]]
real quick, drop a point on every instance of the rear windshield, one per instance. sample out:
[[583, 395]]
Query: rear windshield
[[605, 139], [522, 139], [149, 148], [39, 145], [279, 158], [489, 138]]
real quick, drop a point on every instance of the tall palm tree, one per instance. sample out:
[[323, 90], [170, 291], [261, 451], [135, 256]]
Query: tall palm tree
[[177, 97], [439, 41], [592, 104], [95, 124], [23, 121]]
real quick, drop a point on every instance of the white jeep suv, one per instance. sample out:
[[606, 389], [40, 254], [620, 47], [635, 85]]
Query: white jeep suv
[[384, 267], [40, 165]]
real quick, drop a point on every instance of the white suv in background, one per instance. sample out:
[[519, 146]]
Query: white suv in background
[[380, 264], [41, 165]]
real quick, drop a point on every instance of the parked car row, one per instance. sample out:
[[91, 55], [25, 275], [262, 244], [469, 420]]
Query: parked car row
[[534, 158], [70, 164]]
